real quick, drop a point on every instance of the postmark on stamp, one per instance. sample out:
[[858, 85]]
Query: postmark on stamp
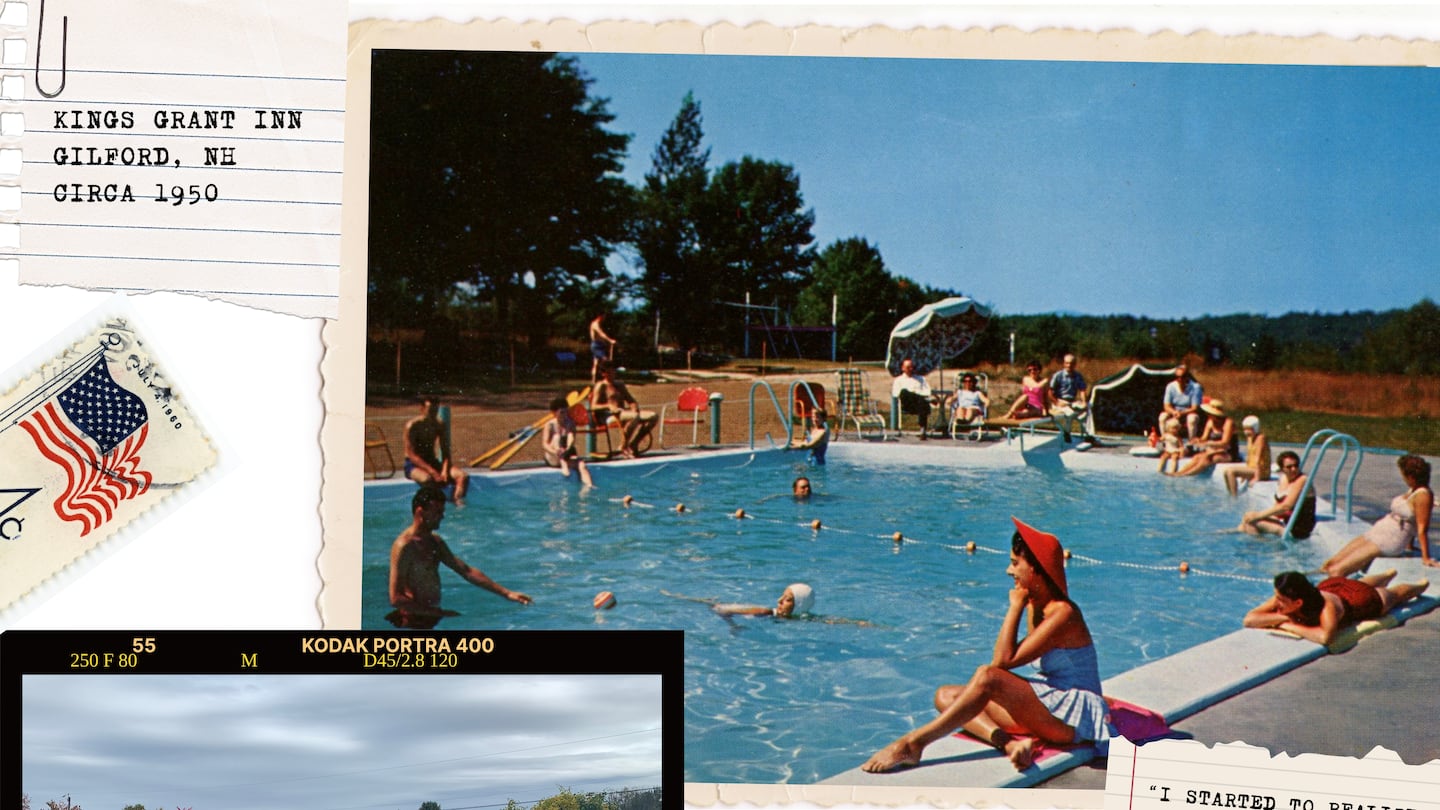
[[90, 442]]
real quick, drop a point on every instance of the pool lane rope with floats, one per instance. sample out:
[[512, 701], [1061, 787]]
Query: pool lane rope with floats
[[970, 547]]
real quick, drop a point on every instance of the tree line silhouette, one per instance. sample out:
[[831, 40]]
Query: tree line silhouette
[[500, 225]]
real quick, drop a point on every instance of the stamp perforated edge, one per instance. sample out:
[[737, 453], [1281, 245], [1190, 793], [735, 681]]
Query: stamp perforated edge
[[116, 306]]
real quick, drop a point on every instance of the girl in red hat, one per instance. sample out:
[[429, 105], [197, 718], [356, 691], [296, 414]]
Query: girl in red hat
[[1061, 705]]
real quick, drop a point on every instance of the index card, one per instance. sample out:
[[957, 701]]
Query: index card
[[190, 146], [1187, 775]]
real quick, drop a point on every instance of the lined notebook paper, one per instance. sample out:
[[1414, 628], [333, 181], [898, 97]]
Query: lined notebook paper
[[1187, 774], [191, 145]]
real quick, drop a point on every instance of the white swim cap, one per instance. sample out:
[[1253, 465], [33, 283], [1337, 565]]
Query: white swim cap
[[804, 597]]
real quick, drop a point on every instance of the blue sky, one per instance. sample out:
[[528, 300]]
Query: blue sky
[[1167, 190], [344, 742]]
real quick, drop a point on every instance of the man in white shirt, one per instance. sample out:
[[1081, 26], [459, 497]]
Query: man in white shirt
[[913, 393]]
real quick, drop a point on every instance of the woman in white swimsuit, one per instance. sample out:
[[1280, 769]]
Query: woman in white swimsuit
[[1396, 533]]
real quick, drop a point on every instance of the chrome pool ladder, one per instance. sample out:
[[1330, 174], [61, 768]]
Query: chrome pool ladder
[[1325, 438]]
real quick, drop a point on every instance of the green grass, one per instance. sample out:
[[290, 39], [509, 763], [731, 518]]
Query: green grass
[[1410, 434]]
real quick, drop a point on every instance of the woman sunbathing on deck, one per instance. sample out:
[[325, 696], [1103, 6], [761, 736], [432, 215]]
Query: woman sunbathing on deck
[[1318, 612], [1062, 705], [1394, 534]]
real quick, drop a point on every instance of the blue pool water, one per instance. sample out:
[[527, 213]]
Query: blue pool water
[[796, 701]]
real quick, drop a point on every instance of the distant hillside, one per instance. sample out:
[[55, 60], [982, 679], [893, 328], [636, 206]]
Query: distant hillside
[[1394, 341]]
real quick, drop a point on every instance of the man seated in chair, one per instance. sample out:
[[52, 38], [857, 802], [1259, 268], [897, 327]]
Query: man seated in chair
[[611, 400], [913, 392], [1068, 389]]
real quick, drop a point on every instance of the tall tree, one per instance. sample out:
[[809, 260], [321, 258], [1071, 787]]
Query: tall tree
[[666, 235], [492, 178], [850, 275], [757, 230]]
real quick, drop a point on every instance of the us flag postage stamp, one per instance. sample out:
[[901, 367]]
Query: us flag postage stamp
[[89, 443]]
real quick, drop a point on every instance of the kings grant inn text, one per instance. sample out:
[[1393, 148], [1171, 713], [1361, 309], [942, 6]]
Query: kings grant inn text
[[201, 123]]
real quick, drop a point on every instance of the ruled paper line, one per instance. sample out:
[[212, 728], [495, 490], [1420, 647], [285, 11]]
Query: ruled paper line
[[98, 102], [172, 166], [225, 292], [130, 133], [169, 259], [171, 228], [145, 197], [31, 69]]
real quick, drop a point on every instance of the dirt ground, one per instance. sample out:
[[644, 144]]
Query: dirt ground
[[480, 422]]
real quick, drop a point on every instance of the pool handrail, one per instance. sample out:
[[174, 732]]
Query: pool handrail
[[788, 420], [779, 411], [1346, 441]]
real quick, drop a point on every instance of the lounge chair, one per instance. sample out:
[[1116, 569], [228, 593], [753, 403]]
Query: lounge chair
[[856, 404]]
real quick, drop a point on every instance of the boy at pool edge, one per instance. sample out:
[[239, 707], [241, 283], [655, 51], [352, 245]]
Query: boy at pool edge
[[817, 441], [558, 442]]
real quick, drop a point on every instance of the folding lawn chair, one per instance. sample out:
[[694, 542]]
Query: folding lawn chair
[[856, 404]]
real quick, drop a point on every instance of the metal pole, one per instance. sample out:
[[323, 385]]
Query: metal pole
[[747, 325], [834, 326]]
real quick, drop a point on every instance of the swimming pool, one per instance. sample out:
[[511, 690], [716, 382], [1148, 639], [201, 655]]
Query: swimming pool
[[798, 701]]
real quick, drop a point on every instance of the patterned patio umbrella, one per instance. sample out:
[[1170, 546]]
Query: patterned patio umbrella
[[935, 332]]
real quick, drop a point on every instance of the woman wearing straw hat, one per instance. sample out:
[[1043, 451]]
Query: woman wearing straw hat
[[1061, 705], [1219, 442]]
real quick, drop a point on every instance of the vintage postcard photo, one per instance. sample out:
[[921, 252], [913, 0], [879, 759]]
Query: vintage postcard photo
[[966, 413]]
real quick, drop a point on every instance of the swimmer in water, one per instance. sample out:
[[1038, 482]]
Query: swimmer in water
[[801, 488], [795, 601]]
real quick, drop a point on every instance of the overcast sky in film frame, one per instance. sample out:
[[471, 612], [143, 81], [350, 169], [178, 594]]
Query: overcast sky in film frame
[[1168, 190], [343, 742]]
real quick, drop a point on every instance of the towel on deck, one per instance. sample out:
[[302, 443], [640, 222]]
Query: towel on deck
[[1135, 723], [1348, 637]]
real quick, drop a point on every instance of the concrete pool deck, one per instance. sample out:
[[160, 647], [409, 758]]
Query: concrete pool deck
[[1263, 688]]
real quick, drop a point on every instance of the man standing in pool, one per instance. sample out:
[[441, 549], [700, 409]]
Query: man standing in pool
[[415, 561]]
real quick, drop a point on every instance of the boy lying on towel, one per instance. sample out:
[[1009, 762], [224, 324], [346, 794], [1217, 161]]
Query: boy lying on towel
[[1319, 612]]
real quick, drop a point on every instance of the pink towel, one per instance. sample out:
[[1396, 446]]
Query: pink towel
[[1135, 723]]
